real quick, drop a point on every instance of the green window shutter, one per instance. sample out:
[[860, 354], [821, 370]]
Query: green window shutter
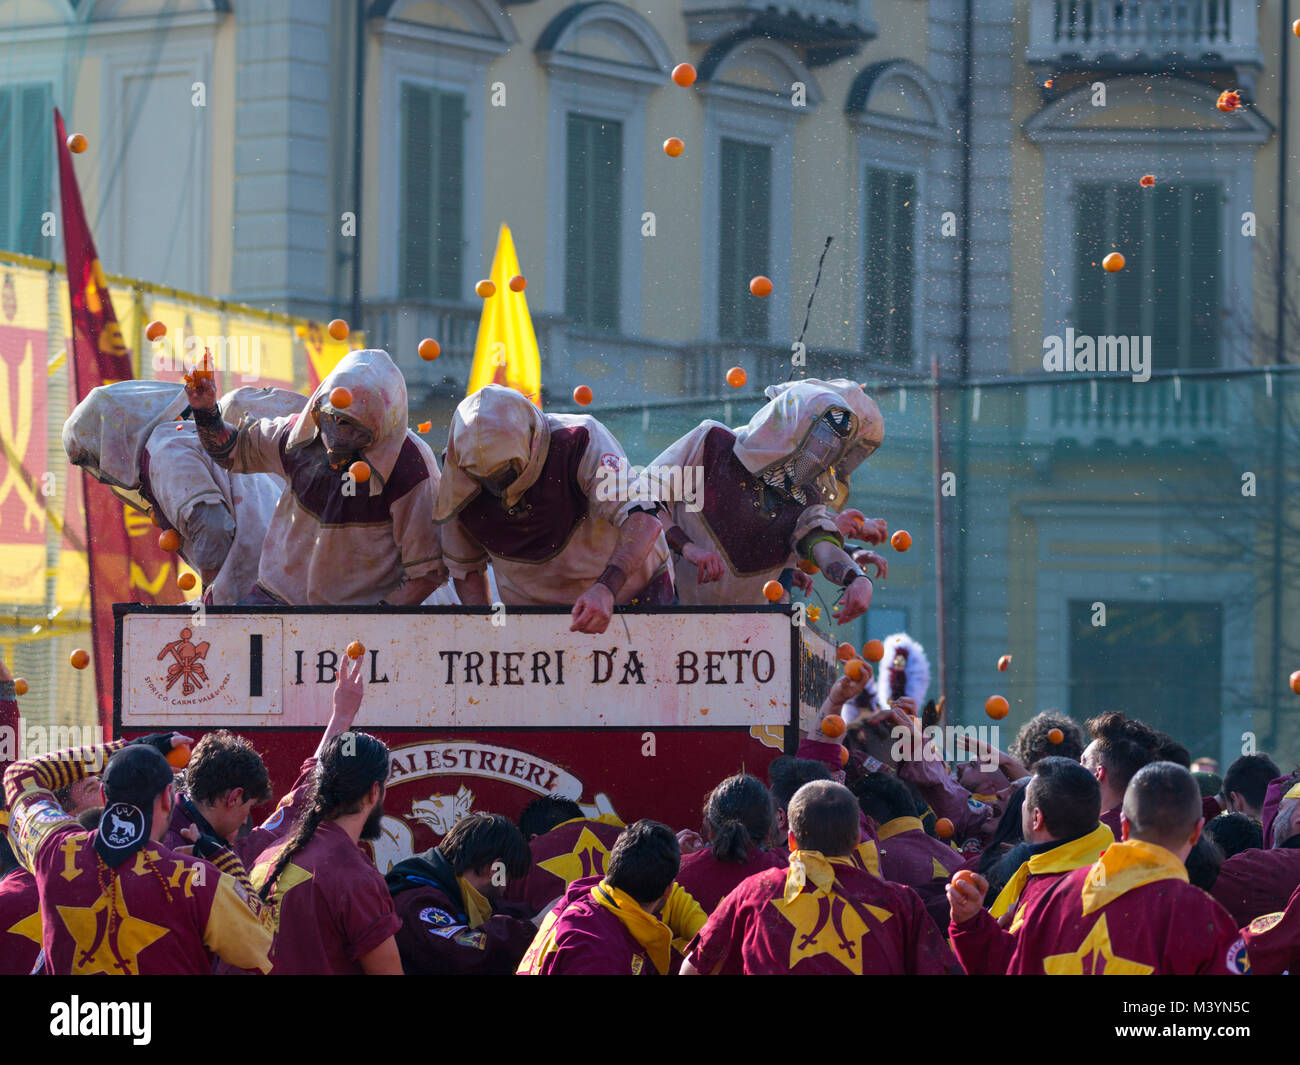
[[26, 167], [433, 183], [8, 155], [890, 265], [1091, 244], [744, 238], [593, 217]]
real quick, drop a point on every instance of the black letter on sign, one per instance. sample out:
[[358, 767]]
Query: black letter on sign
[[596, 657], [374, 670], [683, 665], [757, 668], [632, 667], [255, 665], [322, 664]]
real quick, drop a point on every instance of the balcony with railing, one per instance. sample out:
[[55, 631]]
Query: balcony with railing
[[1144, 34]]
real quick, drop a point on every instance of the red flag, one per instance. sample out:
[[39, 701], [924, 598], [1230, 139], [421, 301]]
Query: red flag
[[125, 562]]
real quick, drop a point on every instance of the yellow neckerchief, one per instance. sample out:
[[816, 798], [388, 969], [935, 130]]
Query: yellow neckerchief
[[987, 800], [899, 824], [866, 855], [1293, 792], [814, 867], [653, 935], [1126, 866], [477, 908], [1063, 859]]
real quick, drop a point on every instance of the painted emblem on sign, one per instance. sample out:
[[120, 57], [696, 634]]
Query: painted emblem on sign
[[187, 663]]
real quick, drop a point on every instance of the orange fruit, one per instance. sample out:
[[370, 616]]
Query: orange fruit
[[1147, 181], [20, 686], [674, 146], [340, 398], [853, 669], [179, 756], [901, 540], [772, 591], [356, 649], [360, 471], [518, 283], [808, 566], [424, 427], [996, 707], [170, 540], [760, 286], [1295, 682], [873, 650], [1113, 263], [960, 874], [582, 395], [1295, 27], [186, 581], [814, 612], [845, 651], [1004, 663], [736, 377], [338, 329], [1229, 100], [844, 756], [155, 330], [1055, 736], [684, 75], [79, 659], [1047, 84], [429, 349], [77, 144], [943, 828], [485, 288], [833, 725]]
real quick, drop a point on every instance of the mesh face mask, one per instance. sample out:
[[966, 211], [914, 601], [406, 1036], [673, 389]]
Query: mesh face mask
[[814, 456], [343, 438]]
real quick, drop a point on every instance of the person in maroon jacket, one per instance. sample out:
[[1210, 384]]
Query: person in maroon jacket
[[449, 899], [20, 911], [1120, 747], [1257, 882], [565, 846], [738, 822]]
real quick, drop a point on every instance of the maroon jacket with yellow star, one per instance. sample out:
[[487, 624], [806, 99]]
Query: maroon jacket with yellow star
[[20, 923], [159, 913], [570, 851], [864, 926], [1273, 941], [1141, 918]]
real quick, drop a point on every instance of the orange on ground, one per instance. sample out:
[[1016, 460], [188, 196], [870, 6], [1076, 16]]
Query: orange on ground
[[1055, 736], [155, 330], [170, 540], [996, 707], [674, 146], [338, 329], [736, 377], [808, 566], [360, 471], [340, 398], [901, 540], [1004, 663], [684, 75], [20, 686], [760, 286], [873, 650], [518, 283], [582, 395], [1147, 181], [356, 649], [833, 725], [77, 144], [179, 756], [485, 288], [79, 659], [429, 349], [772, 591], [1113, 263], [424, 427], [186, 581], [943, 828]]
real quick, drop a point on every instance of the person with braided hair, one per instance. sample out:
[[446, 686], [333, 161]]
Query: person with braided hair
[[738, 818], [114, 900], [330, 906]]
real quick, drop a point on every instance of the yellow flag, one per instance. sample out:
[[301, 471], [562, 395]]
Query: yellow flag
[[506, 350]]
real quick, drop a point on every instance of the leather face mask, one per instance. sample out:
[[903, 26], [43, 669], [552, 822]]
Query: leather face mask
[[343, 438]]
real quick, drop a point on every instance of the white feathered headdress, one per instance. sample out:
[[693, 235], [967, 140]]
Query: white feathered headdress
[[904, 670]]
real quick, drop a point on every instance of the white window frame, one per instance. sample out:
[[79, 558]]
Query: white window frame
[[449, 62]]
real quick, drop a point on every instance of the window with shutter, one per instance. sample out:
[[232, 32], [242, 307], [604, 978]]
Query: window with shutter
[[1172, 242], [26, 166], [744, 238], [593, 208], [433, 190], [889, 265]]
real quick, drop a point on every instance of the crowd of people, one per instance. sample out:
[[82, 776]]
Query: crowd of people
[[1093, 849]]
